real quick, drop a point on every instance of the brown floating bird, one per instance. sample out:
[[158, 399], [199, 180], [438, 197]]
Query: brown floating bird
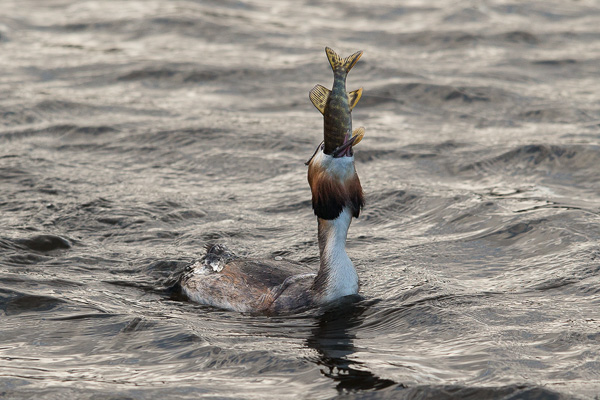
[[224, 280]]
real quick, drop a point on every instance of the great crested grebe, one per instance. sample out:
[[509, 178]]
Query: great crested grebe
[[223, 280]]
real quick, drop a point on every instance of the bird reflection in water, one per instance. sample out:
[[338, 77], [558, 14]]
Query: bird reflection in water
[[333, 338]]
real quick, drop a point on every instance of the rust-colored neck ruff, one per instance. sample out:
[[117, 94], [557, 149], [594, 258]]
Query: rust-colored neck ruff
[[334, 185]]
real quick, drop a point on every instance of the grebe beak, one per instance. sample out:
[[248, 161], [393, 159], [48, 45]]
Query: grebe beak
[[345, 150]]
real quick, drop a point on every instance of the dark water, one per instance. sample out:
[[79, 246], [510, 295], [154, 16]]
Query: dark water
[[132, 133]]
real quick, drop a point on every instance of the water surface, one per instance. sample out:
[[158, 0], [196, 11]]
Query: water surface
[[133, 133]]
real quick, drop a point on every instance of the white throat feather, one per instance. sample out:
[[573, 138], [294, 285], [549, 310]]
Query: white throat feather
[[337, 276]]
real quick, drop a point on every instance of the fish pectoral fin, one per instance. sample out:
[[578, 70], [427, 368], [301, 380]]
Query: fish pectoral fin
[[354, 97], [359, 133], [319, 95]]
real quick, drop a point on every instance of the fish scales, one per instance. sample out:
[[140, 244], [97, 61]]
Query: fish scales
[[336, 104]]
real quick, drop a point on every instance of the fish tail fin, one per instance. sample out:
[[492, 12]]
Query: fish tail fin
[[342, 64]]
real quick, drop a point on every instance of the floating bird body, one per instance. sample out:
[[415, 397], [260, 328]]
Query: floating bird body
[[224, 280]]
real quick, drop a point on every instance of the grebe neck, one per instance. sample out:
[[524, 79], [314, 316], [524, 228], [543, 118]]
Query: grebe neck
[[337, 276]]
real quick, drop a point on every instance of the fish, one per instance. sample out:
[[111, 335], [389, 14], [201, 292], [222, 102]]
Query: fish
[[336, 106]]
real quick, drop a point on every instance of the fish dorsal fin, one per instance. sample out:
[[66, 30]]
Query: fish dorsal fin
[[319, 95], [354, 97], [359, 133]]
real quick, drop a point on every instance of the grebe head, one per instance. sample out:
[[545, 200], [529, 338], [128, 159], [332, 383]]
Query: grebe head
[[333, 180]]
